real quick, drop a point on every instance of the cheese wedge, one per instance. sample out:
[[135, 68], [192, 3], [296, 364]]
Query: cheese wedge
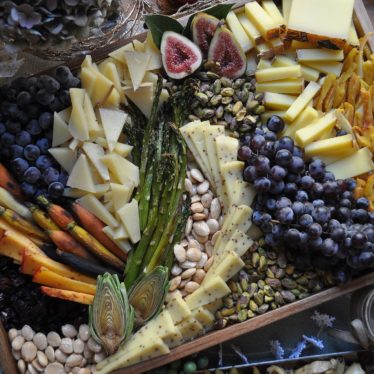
[[340, 145], [319, 55], [88, 79], [213, 290], [121, 194], [137, 63], [119, 54], [190, 328], [95, 152], [243, 193], [112, 121], [94, 129], [359, 163], [266, 25], [77, 124], [111, 72], [229, 265], [65, 114], [204, 317], [129, 215], [142, 97], [302, 101], [178, 309], [93, 204], [61, 132], [316, 129], [64, 156], [226, 148], [231, 172], [240, 35], [81, 175], [265, 50]]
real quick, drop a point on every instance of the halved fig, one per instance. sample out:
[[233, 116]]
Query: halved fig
[[203, 28], [227, 54], [180, 56]]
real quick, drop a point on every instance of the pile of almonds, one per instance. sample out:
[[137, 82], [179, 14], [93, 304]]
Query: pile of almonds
[[193, 255], [75, 352]]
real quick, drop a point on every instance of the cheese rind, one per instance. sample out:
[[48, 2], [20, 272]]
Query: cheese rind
[[302, 101]]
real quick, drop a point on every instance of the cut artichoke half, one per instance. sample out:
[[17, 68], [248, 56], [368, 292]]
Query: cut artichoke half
[[148, 294], [111, 317]]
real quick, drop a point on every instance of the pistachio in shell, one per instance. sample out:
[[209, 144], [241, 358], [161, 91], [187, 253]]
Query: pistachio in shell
[[147, 295], [111, 317]]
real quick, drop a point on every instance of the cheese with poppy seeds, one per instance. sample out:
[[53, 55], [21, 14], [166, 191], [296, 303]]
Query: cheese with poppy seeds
[[205, 317], [190, 328], [178, 309]]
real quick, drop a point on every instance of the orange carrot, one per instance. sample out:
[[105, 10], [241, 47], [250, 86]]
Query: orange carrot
[[9, 183], [77, 297], [95, 227]]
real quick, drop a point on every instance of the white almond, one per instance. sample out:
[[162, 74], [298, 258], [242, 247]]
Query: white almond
[[174, 283], [206, 200], [179, 253], [193, 254], [199, 276], [18, 342], [215, 209], [197, 208], [191, 286], [197, 175], [202, 188], [213, 225], [201, 228], [28, 351], [203, 261], [176, 270], [188, 273]]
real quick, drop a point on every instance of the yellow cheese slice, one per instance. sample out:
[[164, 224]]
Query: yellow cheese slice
[[104, 92], [88, 79], [353, 37], [65, 157], [215, 289], [142, 97], [249, 27], [205, 317], [286, 8], [112, 121], [226, 148], [119, 54], [237, 29], [337, 146], [121, 194], [230, 173], [286, 86], [278, 73], [319, 55], [93, 204], [328, 67], [94, 129], [178, 309], [272, 10], [129, 215], [190, 328], [214, 306], [359, 163], [137, 63], [95, 152], [77, 124], [111, 72], [263, 64], [305, 118], [81, 175], [61, 132], [267, 26], [243, 193], [175, 340], [122, 169], [278, 101], [316, 129], [65, 114], [302, 101]]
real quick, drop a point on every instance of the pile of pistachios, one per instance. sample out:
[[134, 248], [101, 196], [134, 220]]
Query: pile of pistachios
[[227, 102], [268, 281]]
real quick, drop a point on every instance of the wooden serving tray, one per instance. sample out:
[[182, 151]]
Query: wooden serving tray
[[7, 363]]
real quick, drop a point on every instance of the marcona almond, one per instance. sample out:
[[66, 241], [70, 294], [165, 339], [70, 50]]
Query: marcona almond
[[197, 208], [202, 188], [208, 264], [199, 276], [174, 283], [197, 175], [206, 200], [193, 254], [191, 286], [215, 209], [188, 273], [201, 228], [179, 253]]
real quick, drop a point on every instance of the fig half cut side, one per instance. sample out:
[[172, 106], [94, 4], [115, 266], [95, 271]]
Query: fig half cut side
[[227, 54], [180, 56], [203, 28]]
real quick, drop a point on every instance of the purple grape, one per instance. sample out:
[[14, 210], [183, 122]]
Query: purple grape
[[292, 237], [298, 208], [43, 162], [285, 143], [317, 190], [23, 138], [7, 139], [329, 247], [45, 120], [290, 189], [318, 203], [283, 202], [298, 152], [16, 151], [275, 124], [32, 175], [31, 152], [366, 259], [350, 184], [43, 145], [283, 157], [63, 74], [317, 169], [44, 97], [277, 187], [270, 136], [278, 173], [305, 220], [297, 165], [23, 98], [359, 240], [262, 165], [285, 215], [257, 142], [262, 184], [270, 204], [19, 165], [315, 230], [244, 153], [268, 149], [50, 175], [33, 127], [338, 234], [360, 215], [28, 189], [321, 214], [13, 126], [345, 202], [2, 128], [56, 189], [301, 196], [329, 177], [362, 203]]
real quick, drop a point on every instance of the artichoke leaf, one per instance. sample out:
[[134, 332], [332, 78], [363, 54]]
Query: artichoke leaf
[[148, 294], [111, 317]]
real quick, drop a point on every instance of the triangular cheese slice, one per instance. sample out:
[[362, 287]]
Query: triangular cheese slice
[[142, 98], [64, 156], [129, 215], [151, 49], [112, 121], [81, 175], [65, 114], [95, 152], [121, 194], [119, 54], [137, 63], [94, 128], [61, 131]]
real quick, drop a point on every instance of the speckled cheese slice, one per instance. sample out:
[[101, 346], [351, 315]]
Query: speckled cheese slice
[[190, 328], [205, 317], [178, 309]]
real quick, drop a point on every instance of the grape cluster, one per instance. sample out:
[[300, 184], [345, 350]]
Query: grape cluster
[[26, 128], [302, 208]]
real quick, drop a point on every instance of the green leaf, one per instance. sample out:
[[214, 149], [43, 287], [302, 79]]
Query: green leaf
[[219, 11], [158, 24]]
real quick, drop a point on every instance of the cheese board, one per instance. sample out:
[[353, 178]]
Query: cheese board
[[102, 176]]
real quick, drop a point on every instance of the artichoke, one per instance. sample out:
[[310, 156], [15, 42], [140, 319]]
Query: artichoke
[[111, 317], [148, 294]]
